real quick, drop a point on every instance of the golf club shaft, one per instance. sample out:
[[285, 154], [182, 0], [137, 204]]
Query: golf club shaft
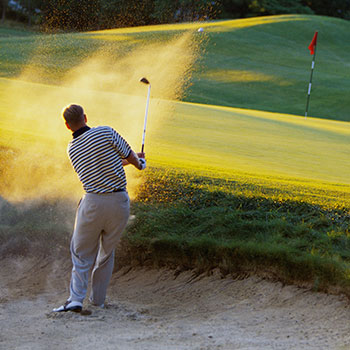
[[146, 113]]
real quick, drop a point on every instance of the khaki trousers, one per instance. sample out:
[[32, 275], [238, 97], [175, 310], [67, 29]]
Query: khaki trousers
[[100, 221]]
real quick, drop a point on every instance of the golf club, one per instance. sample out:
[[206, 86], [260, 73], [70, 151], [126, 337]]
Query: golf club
[[145, 81]]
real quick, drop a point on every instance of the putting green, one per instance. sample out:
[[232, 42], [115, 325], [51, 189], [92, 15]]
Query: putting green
[[231, 139]]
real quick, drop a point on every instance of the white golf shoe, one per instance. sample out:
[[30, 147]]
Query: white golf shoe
[[74, 306]]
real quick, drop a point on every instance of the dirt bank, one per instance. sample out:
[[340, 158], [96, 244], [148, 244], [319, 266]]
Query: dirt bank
[[149, 309]]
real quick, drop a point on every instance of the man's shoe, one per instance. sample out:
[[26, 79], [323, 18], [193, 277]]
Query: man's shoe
[[101, 306], [74, 306]]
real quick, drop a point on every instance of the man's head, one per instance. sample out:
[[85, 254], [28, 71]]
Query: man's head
[[74, 117]]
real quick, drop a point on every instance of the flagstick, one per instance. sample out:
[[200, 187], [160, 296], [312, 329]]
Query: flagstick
[[310, 83]]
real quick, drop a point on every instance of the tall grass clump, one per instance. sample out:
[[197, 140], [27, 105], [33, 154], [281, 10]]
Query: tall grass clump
[[202, 223]]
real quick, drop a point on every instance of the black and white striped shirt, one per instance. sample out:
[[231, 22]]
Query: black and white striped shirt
[[96, 155]]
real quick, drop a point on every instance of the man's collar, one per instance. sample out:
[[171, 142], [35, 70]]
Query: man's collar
[[80, 131]]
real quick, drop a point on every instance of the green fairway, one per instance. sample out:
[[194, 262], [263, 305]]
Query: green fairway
[[260, 63]]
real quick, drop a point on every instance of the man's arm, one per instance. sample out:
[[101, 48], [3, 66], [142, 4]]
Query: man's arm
[[134, 159]]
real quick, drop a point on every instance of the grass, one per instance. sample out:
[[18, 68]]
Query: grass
[[235, 181], [12, 29], [261, 63], [26, 228], [224, 140], [200, 138], [266, 66], [202, 223]]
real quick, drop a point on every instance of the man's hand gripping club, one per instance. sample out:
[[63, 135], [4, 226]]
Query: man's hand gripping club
[[136, 159]]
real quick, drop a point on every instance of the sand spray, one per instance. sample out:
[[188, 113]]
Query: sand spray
[[34, 161]]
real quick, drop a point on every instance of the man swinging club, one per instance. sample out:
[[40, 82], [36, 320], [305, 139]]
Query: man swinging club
[[98, 156]]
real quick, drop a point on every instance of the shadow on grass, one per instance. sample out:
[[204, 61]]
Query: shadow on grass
[[39, 228]]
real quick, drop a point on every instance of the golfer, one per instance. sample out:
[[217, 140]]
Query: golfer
[[98, 156]]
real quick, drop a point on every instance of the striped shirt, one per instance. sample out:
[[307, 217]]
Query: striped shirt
[[96, 155]]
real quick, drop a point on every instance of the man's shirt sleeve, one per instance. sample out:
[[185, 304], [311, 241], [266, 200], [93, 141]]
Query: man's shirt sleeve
[[120, 144]]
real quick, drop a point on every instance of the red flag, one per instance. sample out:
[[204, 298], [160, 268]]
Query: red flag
[[313, 44]]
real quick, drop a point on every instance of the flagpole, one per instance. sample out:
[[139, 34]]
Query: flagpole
[[310, 83]]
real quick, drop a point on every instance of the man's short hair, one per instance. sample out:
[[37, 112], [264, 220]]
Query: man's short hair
[[73, 114]]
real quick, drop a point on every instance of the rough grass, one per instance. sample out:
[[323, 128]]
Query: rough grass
[[39, 228], [294, 233], [196, 222]]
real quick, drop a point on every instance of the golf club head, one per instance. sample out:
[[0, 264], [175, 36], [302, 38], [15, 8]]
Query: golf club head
[[144, 80]]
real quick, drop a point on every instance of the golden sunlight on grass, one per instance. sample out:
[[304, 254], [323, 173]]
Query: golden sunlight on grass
[[212, 26], [243, 76], [223, 139], [252, 22]]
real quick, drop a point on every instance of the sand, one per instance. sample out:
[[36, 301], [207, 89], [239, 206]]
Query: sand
[[164, 309]]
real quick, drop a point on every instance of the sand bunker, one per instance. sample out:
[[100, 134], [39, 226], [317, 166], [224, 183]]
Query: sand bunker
[[160, 309]]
